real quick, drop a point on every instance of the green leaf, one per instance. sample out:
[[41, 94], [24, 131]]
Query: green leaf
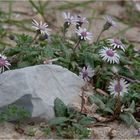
[[23, 40], [86, 120], [23, 64], [46, 131], [97, 101], [60, 108], [74, 64], [125, 60], [137, 125], [78, 126], [126, 117], [109, 110], [132, 107], [110, 105], [58, 120]]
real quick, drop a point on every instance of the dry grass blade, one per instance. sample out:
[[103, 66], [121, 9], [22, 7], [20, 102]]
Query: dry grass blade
[[102, 92]]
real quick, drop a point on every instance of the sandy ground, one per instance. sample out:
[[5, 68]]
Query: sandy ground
[[120, 131], [22, 10]]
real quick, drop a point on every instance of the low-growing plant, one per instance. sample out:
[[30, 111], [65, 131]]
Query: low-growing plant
[[14, 113], [109, 65], [30, 131], [46, 131], [69, 123]]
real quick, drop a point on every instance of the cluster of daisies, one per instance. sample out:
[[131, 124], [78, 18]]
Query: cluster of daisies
[[115, 87], [108, 54], [78, 21]]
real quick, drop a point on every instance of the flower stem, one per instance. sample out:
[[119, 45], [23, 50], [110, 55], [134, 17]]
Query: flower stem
[[99, 36], [118, 102], [34, 39], [83, 101], [72, 56], [77, 44], [64, 33]]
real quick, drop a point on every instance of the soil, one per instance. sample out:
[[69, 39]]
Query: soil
[[117, 131]]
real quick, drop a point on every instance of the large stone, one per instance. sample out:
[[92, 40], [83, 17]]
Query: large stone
[[35, 88]]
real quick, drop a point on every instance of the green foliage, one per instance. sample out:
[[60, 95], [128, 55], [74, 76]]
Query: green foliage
[[126, 114], [2, 32], [126, 117], [73, 132], [26, 56], [85, 120], [23, 40], [105, 105], [97, 101], [30, 131], [46, 131], [131, 108], [131, 15], [69, 123], [60, 108], [14, 113], [30, 51], [58, 121]]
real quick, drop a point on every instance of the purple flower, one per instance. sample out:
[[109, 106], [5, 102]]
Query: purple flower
[[68, 18], [137, 132], [116, 43], [83, 34], [109, 55], [86, 73], [4, 63], [109, 22], [116, 87], [41, 27], [78, 20]]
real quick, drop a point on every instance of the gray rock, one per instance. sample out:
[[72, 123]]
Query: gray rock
[[35, 88]]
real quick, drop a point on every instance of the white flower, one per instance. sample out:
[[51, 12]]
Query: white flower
[[120, 87], [109, 55], [41, 27], [68, 18], [86, 73], [116, 43], [110, 21], [49, 61], [90, 131], [83, 34], [4, 63], [78, 20]]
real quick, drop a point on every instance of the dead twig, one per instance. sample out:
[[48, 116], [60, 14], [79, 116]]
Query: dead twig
[[134, 41], [130, 80], [84, 99], [100, 118], [100, 91]]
